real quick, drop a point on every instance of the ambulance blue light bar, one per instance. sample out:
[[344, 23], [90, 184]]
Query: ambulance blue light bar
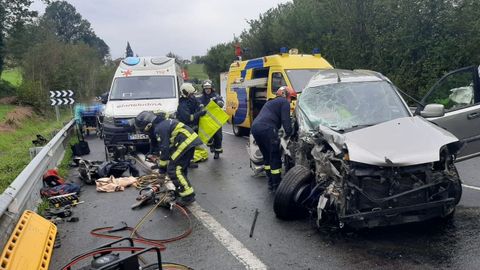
[[283, 50], [131, 61], [316, 51]]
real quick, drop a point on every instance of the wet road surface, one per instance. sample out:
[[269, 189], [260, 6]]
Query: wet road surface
[[227, 191]]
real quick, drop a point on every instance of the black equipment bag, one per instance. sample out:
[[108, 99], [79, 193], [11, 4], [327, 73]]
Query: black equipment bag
[[81, 148]]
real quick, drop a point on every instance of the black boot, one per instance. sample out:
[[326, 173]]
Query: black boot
[[187, 200], [193, 165], [216, 155], [270, 184], [275, 182]]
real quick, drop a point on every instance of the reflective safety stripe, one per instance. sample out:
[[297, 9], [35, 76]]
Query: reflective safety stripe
[[192, 117], [218, 149], [187, 189], [276, 171], [163, 163], [266, 167], [214, 118], [201, 131], [179, 129], [184, 145]]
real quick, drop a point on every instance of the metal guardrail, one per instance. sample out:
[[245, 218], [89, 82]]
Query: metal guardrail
[[24, 192]]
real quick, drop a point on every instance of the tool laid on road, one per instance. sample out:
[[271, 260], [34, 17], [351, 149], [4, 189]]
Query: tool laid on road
[[61, 212], [64, 200], [163, 192], [254, 222], [147, 195], [103, 257]]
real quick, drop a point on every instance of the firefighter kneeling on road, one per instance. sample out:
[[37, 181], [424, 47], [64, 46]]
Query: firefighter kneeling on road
[[208, 95], [176, 143], [274, 114]]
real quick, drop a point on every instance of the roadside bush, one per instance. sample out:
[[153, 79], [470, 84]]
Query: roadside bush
[[6, 89], [31, 93]]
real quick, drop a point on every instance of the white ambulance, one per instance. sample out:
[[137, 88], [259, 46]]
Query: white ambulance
[[139, 84]]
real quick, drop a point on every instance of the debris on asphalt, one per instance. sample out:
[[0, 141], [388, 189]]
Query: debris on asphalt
[[112, 184], [254, 222]]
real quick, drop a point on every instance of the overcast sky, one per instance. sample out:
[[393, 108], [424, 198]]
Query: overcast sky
[[156, 27]]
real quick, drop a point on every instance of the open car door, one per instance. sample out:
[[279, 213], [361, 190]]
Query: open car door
[[454, 104]]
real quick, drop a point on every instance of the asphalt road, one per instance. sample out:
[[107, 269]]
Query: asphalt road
[[228, 195]]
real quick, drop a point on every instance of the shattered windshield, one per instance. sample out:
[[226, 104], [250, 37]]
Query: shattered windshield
[[143, 87], [300, 77], [342, 106]]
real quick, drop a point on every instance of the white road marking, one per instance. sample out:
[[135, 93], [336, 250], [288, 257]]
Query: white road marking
[[472, 187], [235, 247], [229, 133]]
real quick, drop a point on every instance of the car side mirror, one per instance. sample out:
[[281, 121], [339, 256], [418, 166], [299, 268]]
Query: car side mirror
[[433, 110], [104, 98]]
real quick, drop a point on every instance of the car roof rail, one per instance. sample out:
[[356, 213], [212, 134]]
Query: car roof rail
[[374, 73]]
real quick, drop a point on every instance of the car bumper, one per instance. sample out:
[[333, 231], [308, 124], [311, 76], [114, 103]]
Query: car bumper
[[400, 215], [115, 135]]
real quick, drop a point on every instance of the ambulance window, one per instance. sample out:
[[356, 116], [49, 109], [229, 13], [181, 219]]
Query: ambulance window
[[277, 81]]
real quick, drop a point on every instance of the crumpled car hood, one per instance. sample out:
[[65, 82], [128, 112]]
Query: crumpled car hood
[[400, 142]]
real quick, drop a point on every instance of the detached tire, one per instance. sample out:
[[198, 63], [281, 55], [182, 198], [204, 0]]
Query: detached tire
[[285, 204]]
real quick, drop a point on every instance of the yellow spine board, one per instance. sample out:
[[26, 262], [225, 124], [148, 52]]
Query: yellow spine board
[[211, 122], [31, 244]]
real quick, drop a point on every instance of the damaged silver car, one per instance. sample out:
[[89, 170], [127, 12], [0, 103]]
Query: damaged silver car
[[360, 158]]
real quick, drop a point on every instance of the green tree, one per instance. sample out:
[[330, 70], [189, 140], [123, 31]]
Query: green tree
[[218, 59], [128, 52], [13, 15], [70, 27]]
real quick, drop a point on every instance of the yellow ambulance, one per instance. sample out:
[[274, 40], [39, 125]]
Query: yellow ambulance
[[252, 82]]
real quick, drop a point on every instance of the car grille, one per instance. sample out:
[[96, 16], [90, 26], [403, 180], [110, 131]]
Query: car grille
[[122, 122]]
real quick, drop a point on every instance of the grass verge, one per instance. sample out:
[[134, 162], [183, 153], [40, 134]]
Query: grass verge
[[13, 76], [14, 146], [64, 166], [196, 71], [4, 109]]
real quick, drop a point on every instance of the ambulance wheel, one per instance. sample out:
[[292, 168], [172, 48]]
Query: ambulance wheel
[[240, 131]]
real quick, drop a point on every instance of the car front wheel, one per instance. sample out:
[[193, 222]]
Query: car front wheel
[[294, 187]]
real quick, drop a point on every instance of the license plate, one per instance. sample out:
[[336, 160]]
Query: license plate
[[137, 136]]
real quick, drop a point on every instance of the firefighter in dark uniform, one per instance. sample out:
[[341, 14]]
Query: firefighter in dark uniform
[[209, 94], [274, 114], [189, 110], [176, 143]]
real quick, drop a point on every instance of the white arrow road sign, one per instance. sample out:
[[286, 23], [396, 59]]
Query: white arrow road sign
[[61, 101], [61, 93]]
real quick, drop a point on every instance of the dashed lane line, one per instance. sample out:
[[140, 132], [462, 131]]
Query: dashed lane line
[[234, 246], [229, 133], [472, 187]]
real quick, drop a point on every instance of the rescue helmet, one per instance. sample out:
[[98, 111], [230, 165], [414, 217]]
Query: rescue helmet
[[286, 92], [186, 89], [144, 120], [207, 84]]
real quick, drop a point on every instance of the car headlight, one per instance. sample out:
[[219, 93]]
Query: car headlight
[[108, 119]]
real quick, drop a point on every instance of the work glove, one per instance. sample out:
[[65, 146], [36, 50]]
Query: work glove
[[200, 113], [150, 157]]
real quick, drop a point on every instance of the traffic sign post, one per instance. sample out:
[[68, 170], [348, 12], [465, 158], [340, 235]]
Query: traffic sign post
[[61, 97]]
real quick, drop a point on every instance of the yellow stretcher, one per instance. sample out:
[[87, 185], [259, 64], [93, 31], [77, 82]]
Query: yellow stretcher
[[211, 122], [31, 244]]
